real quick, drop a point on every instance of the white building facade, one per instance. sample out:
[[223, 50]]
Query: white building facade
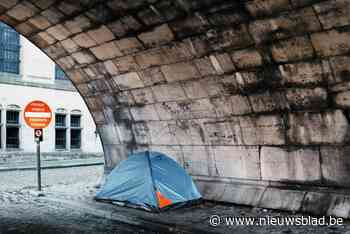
[[27, 74]]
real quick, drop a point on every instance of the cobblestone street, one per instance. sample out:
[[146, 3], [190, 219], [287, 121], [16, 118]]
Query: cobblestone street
[[24, 216], [21, 211], [16, 180]]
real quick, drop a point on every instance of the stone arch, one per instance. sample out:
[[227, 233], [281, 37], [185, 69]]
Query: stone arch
[[251, 97]]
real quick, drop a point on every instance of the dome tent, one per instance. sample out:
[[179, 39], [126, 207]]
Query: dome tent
[[149, 180]]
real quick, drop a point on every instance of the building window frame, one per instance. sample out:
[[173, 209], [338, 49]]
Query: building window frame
[[10, 126], [9, 50], [59, 73], [61, 128], [76, 130]]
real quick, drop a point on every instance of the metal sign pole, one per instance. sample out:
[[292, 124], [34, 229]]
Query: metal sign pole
[[38, 166], [38, 115]]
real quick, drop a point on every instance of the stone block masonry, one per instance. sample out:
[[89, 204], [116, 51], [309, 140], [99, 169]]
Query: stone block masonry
[[251, 97]]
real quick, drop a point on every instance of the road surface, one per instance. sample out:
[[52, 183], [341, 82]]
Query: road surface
[[21, 211]]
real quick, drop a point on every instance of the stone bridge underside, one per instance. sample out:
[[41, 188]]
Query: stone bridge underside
[[251, 97]]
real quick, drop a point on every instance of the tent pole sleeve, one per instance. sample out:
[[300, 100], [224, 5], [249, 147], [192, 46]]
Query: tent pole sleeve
[[151, 174]]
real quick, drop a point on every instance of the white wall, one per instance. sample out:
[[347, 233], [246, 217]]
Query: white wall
[[22, 95], [35, 65]]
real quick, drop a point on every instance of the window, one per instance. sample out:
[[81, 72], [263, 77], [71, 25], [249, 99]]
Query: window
[[12, 117], [75, 121], [61, 132], [75, 138], [60, 120], [75, 134], [59, 74], [9, 49], [60, 139], [12, 129]]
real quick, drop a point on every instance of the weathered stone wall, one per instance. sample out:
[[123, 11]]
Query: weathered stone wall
[[251, 97]]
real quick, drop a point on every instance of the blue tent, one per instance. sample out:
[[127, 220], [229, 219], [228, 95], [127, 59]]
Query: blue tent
[[149, 180]]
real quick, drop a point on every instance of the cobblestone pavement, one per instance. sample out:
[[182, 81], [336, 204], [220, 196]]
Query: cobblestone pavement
[[23, 212], [17, 180], [40, 217]]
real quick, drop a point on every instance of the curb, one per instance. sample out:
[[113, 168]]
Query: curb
[[28, 168]]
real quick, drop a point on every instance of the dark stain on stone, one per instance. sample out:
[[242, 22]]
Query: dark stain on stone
[[344, 75], [139, 104], [201, 132], [280, 33], [347, 115], [120, 116], [287, 231], [124, 120], [101, 13], [159, 83], [131, 145], [185, 106], [318, 205], [343, 29], [338, 201], [333, 183], [271, 76], [183, 125], [230, 89], [309, 102]]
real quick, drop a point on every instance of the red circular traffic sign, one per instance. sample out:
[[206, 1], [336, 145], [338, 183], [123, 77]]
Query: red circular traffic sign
[[37, 115]]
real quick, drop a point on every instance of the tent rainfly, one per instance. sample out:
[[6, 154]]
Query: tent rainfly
[[149, 180]]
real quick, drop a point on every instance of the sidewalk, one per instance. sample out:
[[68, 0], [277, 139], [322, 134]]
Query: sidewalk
[[52, 164]]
